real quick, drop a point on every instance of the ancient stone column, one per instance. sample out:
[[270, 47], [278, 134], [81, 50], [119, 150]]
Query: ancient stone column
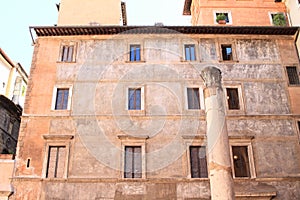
[[220, 175]]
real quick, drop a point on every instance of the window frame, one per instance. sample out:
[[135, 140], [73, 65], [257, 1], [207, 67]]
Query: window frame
[[54, 97], [56, 160], [230, 99], [274, 13], [297, 74], [247, 143], [129, 140], [56, 140], [222, 54], [129, 54], [233, 50], [228, 12], [201, 98], [194, 140], [133, 163], [240, 96], [142, 97], [61, 52], [189, 47], [190, 161]]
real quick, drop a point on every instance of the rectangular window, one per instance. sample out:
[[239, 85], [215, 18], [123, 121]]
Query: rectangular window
[[198, 162], [133, 162], [233, 98], [226, 52], [67, 53], [298, 122], [135, 52], [56, 162], [226, 16], [193, 98], [278, 19], [190, 52], [134, 99], [292, 75], [62, 96], [241, 161]]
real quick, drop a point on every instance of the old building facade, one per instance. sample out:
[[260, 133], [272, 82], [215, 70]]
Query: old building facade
[[121, 112], [123, 117], [238, 12]]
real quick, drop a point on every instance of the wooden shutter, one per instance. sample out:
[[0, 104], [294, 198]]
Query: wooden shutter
[[133, 162], [67, 53], [56, 162]]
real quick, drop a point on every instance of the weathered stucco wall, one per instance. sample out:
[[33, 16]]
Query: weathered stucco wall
[[102, 125]]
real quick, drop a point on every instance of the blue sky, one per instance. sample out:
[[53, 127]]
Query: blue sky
[[18, 15]]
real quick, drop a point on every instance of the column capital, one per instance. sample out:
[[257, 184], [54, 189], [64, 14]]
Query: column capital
[[212, 76]]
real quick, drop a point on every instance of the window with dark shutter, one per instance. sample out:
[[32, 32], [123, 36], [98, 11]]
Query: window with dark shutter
[[241, 161], [134, 99], [133, 162], [56, 162], [193, 98], [62, 96], [135, 52], [198, 162], [190, 52], [233, 98], [298, 125], [292, 75], [67, 53], [226, 52]]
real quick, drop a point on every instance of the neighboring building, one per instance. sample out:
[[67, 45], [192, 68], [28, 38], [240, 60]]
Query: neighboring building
[[92, 12], [293, 10], [238, 13], [13, 80], [10, 115], [13, 84], [118, 112]]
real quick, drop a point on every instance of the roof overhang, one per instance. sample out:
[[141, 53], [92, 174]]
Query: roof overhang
[[6, 58], [42, 31], [187, 7]]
